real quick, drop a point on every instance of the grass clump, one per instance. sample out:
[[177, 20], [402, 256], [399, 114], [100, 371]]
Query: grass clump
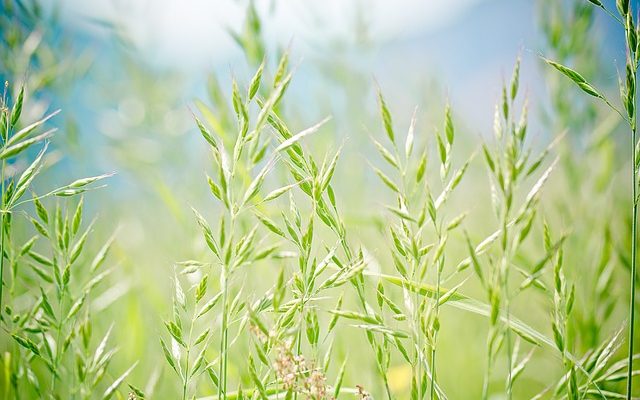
[[287, 292], [46, 290], [627, 88]]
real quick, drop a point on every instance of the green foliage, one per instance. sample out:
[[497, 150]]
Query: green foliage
[[290, 290]]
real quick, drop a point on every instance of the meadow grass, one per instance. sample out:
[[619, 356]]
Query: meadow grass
[[286, 295], [52, 329]]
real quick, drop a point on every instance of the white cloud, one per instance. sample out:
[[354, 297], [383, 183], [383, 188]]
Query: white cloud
[[194, 31]]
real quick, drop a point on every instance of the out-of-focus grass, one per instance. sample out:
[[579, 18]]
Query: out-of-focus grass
[[161, 164]]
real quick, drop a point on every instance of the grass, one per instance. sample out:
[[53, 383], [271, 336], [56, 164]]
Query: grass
[[629, 100], [48, 328], [491, 257]]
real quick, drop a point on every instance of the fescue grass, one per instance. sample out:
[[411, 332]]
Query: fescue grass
[[285, 295], [52, 330]]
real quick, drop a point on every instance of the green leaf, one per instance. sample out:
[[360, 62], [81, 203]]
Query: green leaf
[[98, 260], [383, 329], [279, 192], [137, 391], [114, 386], [27, 176], [448, 125], [24, 132], [206, 134], [296, 138], [255, 81], [27, 344], [76, 306], [408, 144], [206, 231], [175, 331], [386, 154], [80, 183], [401, 213], [354, 315], [168, 356], [209, 305], [46, 305], [575, 77], [469, 304], [338, 384], [77, 217], [269, 105], [201, 337], [282, 69], [10, 151], [201, 289], [17, 108], [256, 380], [386, 180], [270, 225], [386, 116]]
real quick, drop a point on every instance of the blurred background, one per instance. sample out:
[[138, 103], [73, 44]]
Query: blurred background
[[128, 75]]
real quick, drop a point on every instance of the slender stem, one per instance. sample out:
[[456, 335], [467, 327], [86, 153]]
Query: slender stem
[[224, 334], [386, 387], [612, 15], [417, 370], [634, 230], [508, 334], [185, 383], [56, 361], [487, 372], [509, 358], [506, 259], [298, 347], [435, 334], [5, 138], [222, 385], [2, 229], [358, 285], [632, 64]]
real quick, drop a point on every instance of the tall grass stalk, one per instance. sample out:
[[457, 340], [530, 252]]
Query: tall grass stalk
[[629, 98], [244, 160], [634, 233], [509, 164], [416, 216], [5, 138]]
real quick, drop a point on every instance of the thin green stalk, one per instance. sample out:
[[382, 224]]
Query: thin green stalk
[[634, 231], [222, 386], [433, 363], [298, 347], [185, 384], [508, 316], [631, 101], [224, 334], [2, 229], [5, 138], [56, 361], [509, 356], [416, 322], [435, 334], [386, 387], [358, 285], [485, 382]]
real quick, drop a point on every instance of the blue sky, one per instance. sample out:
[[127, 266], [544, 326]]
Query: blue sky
[[420, 52], [469, 45]]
